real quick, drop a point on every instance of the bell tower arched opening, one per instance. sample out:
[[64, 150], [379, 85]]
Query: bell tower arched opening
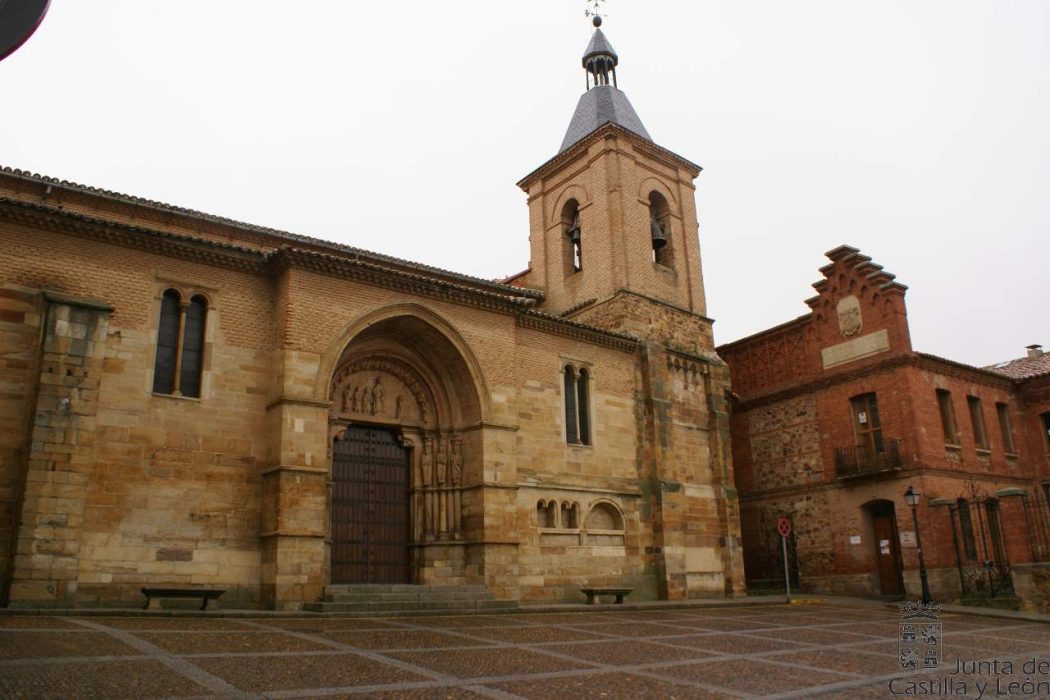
[[403, 423]]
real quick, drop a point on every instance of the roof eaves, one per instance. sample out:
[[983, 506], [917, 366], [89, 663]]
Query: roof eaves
[[585, 142], [253, 228]]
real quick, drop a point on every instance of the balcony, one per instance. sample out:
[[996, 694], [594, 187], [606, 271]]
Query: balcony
[[862, 460]]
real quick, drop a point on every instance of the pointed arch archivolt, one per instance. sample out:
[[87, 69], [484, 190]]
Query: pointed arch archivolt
[[392, 314]]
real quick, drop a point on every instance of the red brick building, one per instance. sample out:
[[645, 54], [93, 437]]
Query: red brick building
[[836, 416]]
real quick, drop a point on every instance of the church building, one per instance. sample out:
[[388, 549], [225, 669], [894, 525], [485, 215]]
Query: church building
[[191, 401]]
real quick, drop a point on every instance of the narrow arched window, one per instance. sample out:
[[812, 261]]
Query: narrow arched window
[[180, 345], [571, 435], [577, 406], [193, 348], [573, 239], [660, 230], [167, 343], [582, 406]]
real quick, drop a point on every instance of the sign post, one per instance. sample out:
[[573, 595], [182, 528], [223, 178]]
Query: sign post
[[784, 528]]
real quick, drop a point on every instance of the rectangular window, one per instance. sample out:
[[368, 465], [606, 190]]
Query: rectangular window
[[867, 425], [966, 525], [951, 431], [980, 436], [1004, 427], [1046, 431]]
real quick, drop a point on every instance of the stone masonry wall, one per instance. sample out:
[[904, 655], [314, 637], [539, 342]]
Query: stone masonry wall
[[21, 319], [165, 490]]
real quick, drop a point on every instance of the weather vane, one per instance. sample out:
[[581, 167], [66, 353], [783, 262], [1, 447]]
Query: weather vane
[[594, 9]]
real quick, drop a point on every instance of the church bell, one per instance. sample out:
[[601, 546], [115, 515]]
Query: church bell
[[657, 231], [574, 232]]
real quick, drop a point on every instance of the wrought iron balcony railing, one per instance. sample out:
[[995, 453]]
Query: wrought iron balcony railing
[[861, 460]]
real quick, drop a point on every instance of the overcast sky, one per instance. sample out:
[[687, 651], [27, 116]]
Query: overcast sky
[[915, 130]]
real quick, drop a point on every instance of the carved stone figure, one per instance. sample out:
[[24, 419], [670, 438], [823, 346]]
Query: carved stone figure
[[457, 460], [376, 403], [849, 316], [427, 462], [348, 399], [442, 462], [399, 406]]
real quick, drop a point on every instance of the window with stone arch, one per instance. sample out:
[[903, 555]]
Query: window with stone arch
[[577, 390], [572, 241], [180, 344], [660, 230]]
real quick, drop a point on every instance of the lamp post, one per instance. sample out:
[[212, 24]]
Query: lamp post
[[911, 497]]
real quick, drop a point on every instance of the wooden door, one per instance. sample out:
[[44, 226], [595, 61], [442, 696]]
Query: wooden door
[[867, 424], [370, 489], [887, 553]]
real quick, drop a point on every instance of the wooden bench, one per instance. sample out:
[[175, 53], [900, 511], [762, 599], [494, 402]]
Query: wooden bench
[[594, 592], [153, 596]]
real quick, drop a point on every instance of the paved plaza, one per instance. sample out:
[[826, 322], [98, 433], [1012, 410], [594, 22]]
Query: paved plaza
[[828, 649]]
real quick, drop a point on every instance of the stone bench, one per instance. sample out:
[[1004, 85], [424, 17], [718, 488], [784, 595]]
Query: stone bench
[[593, 593], [153, 596]]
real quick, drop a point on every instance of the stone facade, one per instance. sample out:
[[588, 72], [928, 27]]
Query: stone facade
[[808, 396], [108, 484]]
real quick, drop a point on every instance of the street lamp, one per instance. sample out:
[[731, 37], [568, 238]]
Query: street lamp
[[911, 497]]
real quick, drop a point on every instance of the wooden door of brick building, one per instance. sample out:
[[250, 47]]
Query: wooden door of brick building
[[370, 515], [887, 550]]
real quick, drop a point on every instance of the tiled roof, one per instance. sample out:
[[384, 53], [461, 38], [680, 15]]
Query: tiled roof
[[1024, 367], [276, 233], [599, 44], [600, 105]]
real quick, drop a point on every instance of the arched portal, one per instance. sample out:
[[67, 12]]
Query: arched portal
[[403, 422]]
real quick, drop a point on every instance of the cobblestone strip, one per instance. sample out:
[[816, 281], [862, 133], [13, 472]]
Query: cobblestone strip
[[194, 673], [38, 660]]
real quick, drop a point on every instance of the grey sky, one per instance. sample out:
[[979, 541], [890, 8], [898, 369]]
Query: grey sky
[[915, 130]]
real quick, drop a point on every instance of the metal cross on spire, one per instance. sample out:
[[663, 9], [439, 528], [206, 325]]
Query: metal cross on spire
[[594, 9]]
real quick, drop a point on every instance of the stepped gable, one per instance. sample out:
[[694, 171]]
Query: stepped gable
[[856, 272]]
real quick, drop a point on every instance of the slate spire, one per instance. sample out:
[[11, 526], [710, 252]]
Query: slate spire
[[603, 102]]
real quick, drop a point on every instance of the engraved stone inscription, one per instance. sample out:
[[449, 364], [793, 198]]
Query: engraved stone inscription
[[864, 346]]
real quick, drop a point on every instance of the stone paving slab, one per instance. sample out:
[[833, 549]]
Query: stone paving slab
[[829, 650]]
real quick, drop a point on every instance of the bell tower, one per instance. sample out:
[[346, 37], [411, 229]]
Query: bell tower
[[612, 214], [614, 244]]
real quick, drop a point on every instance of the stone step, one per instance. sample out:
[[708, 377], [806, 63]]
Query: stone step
[[452, 606], [404, 593], [399, 588]]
